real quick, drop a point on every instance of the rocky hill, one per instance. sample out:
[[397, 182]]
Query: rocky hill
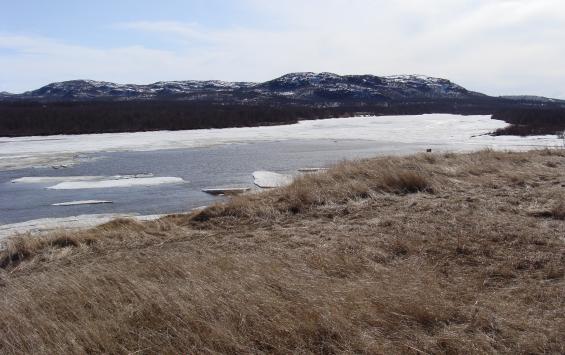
[[325, 89]]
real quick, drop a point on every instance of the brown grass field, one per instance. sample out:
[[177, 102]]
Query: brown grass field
[[426, 254]]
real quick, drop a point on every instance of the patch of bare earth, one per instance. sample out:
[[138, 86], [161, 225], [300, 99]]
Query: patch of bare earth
[[422, 254]]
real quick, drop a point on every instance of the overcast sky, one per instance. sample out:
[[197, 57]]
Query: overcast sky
[[496, 46]]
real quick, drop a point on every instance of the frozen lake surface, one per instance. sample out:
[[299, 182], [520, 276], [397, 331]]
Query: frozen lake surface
[[212, 158], [434, 129]]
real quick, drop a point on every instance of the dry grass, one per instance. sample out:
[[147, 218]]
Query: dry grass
[[346, 182], [423, 254], [558, 211]]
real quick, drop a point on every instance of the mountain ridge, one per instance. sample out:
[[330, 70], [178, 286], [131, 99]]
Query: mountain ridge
[[301, 86]]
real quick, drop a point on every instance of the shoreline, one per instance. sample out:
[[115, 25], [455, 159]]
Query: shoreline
[[39, 226], [42, 226]]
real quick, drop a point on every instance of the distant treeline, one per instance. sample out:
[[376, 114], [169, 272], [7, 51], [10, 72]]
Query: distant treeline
[[21, 119], [26, 118], [531, 121]]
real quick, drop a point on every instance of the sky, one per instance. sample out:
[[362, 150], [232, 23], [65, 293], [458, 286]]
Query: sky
[[499, 47]]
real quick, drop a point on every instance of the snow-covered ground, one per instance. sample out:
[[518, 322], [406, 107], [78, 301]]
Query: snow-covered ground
[[453, 131], [269, 179]]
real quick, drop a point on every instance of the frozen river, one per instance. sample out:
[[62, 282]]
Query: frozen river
[[178, 165]]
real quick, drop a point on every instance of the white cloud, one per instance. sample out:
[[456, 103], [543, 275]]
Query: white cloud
[[184, 30], [36, 61], [499, 47]]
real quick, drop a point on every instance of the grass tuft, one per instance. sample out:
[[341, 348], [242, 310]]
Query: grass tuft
[[407, 182]]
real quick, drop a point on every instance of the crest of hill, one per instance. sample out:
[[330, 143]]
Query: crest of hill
[[307, 86]]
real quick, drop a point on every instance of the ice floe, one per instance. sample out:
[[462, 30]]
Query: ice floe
[[113, 183], [54, 179], [83, 202], [96, 182], [269, 179]]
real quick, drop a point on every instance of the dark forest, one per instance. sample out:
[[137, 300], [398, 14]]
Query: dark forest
[[26, 118]]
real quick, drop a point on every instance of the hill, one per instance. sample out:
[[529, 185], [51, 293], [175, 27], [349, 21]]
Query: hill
[[297, 88]]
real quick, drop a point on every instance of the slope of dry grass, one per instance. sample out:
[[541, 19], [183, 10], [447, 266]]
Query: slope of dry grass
[[422, 254]]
